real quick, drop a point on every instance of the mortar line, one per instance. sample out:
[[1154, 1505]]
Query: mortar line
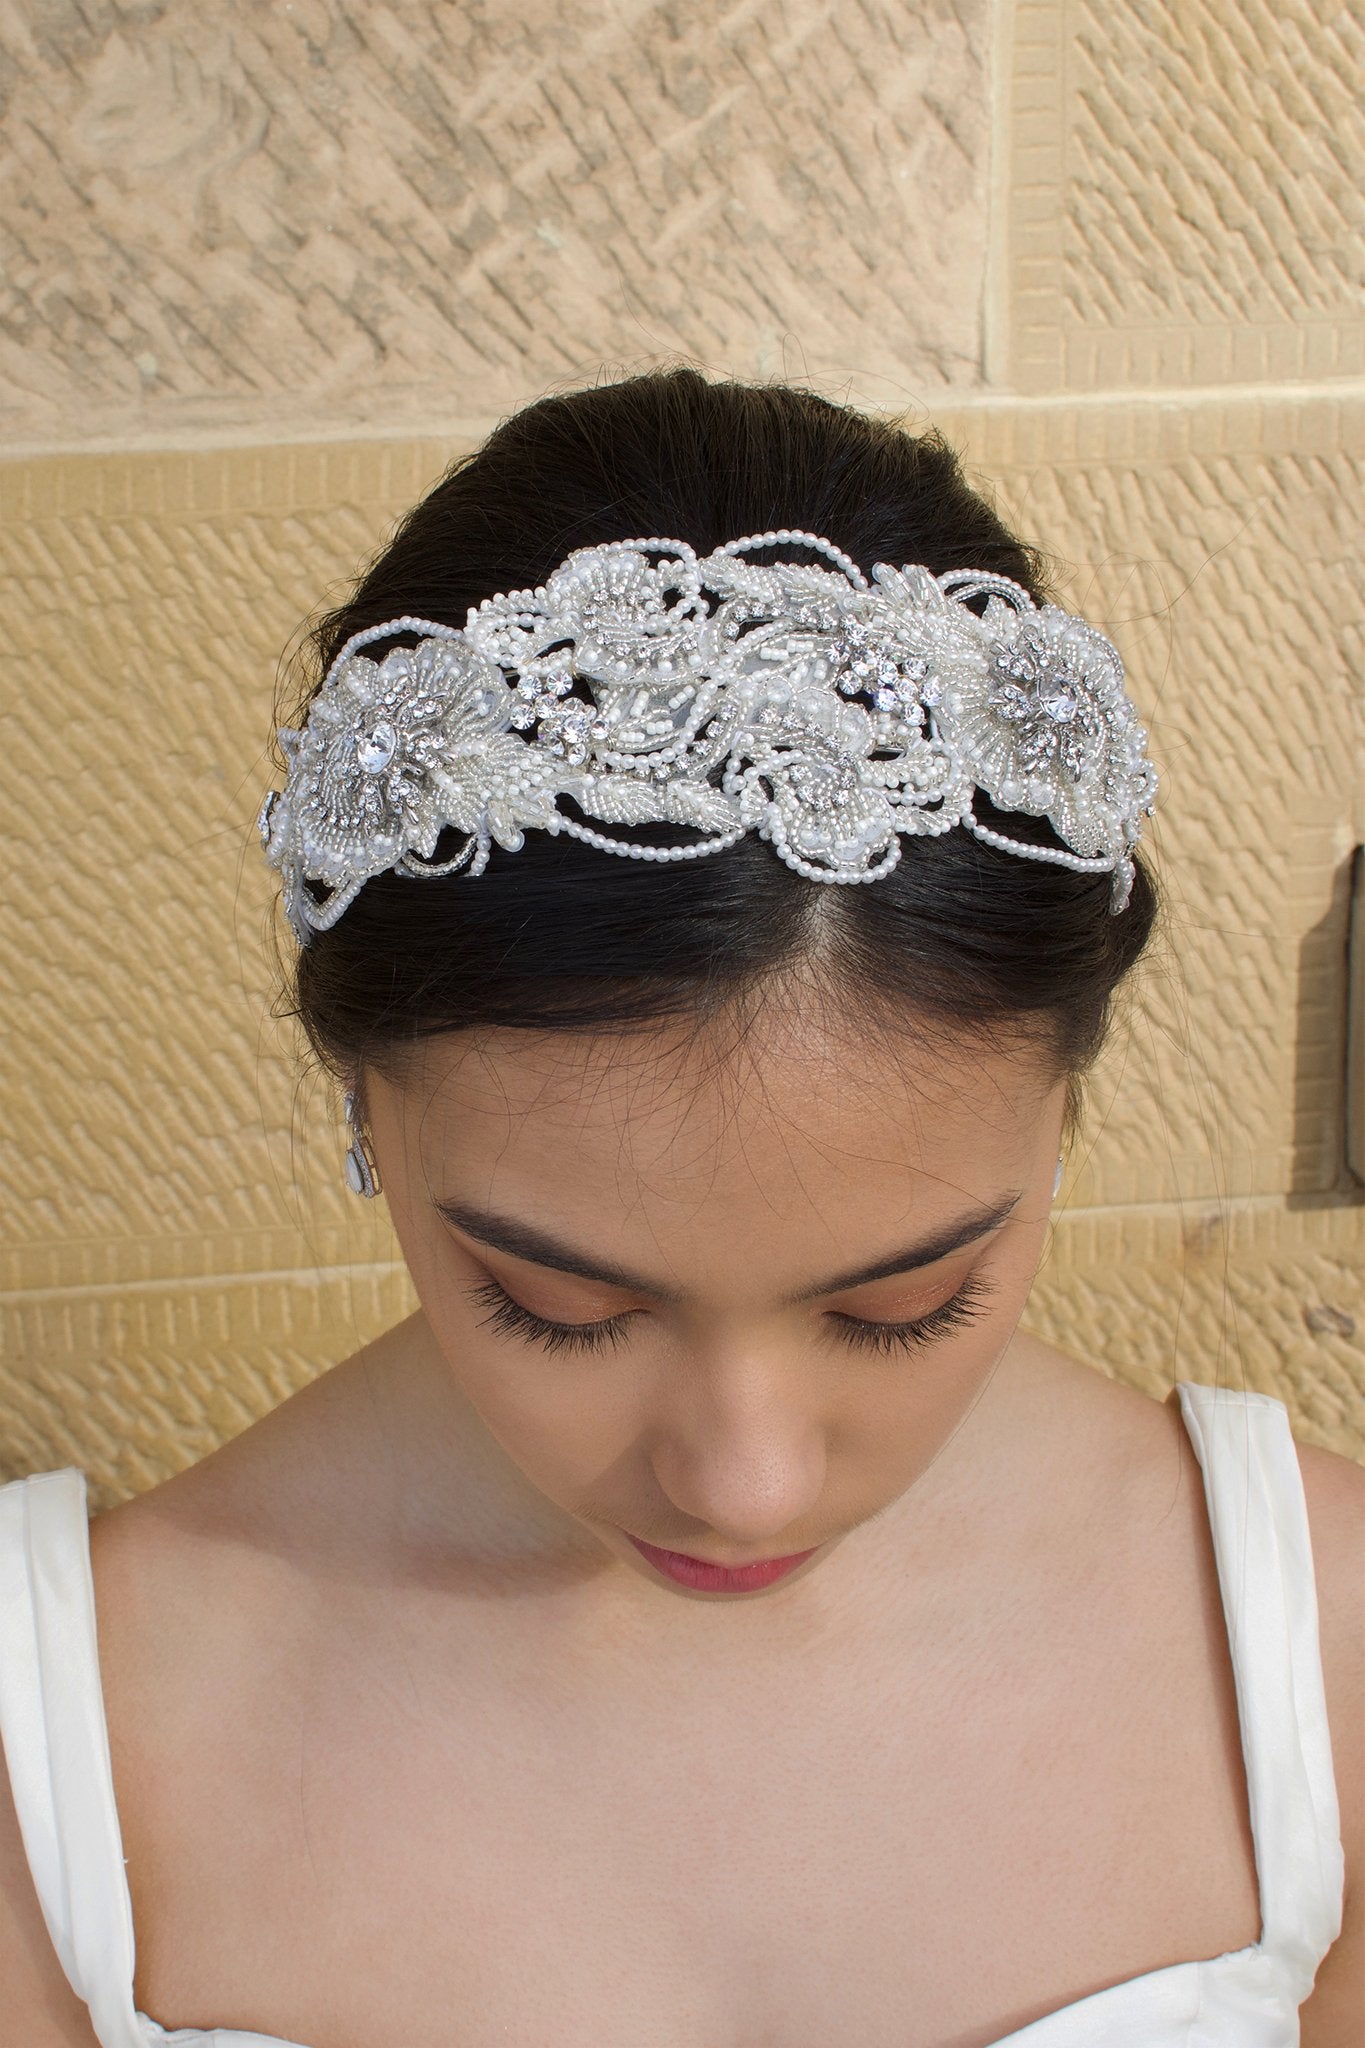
[[468, 432]]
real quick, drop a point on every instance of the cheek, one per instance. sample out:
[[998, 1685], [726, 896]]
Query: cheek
[[572, 1431]]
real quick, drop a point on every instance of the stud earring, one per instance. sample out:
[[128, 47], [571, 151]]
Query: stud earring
[[1057, 1183], [362, 1175]]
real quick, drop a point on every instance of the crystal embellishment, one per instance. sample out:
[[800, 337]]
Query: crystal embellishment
[[1044, 697], [376, 748], [861, 664], [833, 715]]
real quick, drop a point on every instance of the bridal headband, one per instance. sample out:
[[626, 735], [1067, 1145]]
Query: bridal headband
[[827, 713]]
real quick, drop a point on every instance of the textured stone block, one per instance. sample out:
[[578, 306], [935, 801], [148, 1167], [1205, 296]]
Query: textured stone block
[[1265, 1293], [154, 597], [256, 216], [1184, 205]]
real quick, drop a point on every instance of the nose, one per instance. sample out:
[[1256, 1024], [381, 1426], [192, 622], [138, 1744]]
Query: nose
[[741, 1455]]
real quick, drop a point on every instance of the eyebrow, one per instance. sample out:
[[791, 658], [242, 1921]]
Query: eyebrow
[[525, 1241]]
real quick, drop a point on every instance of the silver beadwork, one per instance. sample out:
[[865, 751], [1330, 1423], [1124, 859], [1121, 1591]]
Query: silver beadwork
[[827, 713]]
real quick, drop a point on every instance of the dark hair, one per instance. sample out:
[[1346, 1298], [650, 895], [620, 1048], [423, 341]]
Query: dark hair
[[959, 936]]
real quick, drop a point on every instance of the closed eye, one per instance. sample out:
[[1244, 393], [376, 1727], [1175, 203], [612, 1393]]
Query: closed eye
[[959, 1309], [511, 1318]]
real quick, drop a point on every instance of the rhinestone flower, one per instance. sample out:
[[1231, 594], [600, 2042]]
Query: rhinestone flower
[[863, 663], [1042, 692], [1045, 720], [567, 726], [375, 739], [368, 771]]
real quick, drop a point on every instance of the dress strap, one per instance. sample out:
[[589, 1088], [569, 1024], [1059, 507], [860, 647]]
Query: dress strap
[[1259, 1522], [56, 1744]]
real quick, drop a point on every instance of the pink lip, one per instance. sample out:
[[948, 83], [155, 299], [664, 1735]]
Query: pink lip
[[716, 1578]]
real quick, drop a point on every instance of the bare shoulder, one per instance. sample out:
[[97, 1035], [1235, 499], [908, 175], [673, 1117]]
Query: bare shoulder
[[213, 1571], [248, 1507], [1334, 1491], [37, 2005]]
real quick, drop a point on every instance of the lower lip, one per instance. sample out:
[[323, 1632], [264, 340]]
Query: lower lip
[[714, 1578]]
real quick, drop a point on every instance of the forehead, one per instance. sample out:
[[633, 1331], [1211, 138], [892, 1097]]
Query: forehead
[[786, 1099]]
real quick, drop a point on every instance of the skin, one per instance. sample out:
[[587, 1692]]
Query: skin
[[316, 1643], [727, 1422]]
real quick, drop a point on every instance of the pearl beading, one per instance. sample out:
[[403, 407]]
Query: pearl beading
[[830, 713]]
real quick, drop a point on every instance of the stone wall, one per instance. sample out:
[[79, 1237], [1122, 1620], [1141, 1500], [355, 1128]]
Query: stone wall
[[307, 217], [267, 271]]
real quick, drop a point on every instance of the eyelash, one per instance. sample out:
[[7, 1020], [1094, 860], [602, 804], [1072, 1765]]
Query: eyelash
[[511, 1317]]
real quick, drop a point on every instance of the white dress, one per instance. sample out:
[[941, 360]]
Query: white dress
[[57, 1751]]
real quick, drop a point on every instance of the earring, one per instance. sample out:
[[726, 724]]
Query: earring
[[362, 1175], [1057, 1183]]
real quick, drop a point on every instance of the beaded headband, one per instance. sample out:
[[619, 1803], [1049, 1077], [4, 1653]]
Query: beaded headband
[[839, 715]]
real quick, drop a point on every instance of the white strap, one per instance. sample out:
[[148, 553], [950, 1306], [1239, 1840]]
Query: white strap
[[1259, 1522], [57, 1745]]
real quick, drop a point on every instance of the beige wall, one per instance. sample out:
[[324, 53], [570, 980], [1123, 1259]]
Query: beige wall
[[270, 268]]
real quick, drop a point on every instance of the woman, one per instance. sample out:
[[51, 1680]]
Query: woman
[[709, 1620]]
